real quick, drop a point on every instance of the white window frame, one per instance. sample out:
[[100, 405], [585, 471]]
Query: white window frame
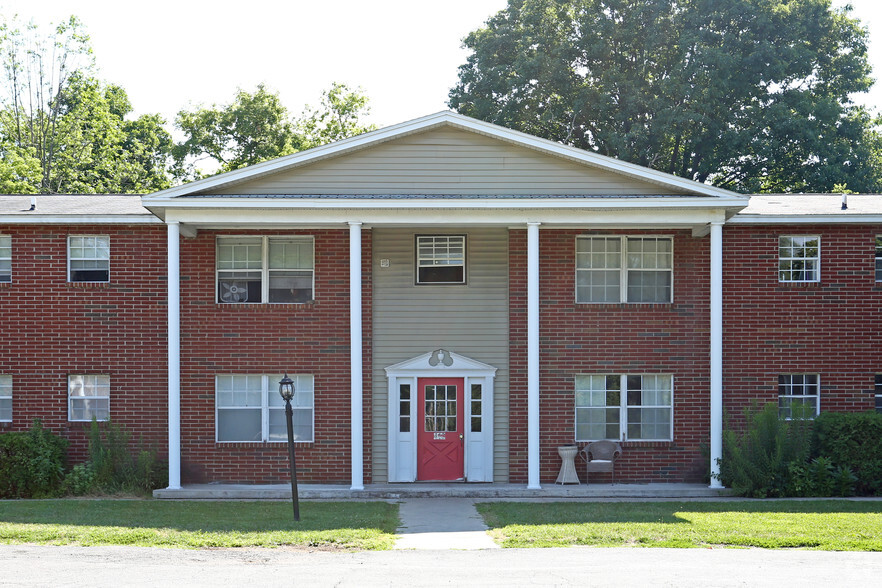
[[5, 396], [879, 258], [623, 407], [878, 390], [439, 259], [264, 270], [70, 238], [5, 244], [624, 270], [809, 263], [787, 384], [95, 387], [270, 401]]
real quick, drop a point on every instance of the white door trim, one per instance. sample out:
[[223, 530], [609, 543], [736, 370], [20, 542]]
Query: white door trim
[[440, 364]]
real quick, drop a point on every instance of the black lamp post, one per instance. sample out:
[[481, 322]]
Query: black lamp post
[[286, 390]]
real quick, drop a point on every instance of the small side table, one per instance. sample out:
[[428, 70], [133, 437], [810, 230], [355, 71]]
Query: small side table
[[568, 473]]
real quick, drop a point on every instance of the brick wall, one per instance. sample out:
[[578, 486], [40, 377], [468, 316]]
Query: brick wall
[[830, 328], [52, 328], [310, 338], [612, 338]]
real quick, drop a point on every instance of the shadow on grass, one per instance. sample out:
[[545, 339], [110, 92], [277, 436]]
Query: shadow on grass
[[241, 517], [500, 514]]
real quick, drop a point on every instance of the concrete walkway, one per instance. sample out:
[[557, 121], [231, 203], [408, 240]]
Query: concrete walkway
[[442, 523]]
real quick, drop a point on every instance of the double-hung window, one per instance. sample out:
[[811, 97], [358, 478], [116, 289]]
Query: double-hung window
[[5, 399], [799, 259], [624, 269], [440, 259], [6, 258], [265, 269], [636, 407], [250, 409], [88, 259], [798, 396], [88, 398], [879, 258]]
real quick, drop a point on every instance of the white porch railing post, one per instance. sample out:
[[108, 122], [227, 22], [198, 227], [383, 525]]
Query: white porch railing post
[[533, 356], [355, 357], [174, 356], [716, 352]]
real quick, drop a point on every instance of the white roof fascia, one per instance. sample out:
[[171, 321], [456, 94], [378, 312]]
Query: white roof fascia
[[308, 202], [433, 120], [819, 219], [62, 219]]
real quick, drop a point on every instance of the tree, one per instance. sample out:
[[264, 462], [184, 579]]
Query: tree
[[750, 95], [62, 130], [256, 127]]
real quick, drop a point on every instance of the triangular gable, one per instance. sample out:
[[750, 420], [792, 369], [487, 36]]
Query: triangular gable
[[308, 172], [440, 360]]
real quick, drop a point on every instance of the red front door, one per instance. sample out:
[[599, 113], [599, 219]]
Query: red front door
[[440, 435]]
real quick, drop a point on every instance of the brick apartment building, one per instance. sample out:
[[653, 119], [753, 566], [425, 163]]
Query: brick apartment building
[[453, 301]]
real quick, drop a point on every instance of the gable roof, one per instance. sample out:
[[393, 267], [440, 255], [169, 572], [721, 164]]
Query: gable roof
[[227, 182]]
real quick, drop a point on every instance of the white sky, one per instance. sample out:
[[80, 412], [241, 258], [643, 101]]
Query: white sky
[[173, 54]]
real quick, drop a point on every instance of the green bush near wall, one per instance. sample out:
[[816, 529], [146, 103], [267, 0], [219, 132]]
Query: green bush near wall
[[854, 441], [834, 454], [32, 463]]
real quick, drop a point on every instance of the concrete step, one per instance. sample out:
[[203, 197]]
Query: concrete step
[[430, 490]]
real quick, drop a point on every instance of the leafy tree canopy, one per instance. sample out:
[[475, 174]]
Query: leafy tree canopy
[[62, 130], [750, 95], [256, 126]]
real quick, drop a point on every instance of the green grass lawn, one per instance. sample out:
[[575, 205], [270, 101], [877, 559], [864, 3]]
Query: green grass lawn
[[343, 525], [835, 525]]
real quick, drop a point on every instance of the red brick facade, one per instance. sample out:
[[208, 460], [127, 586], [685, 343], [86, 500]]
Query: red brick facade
[[830, 328], [612, 338], [239, 339], [53, 328]]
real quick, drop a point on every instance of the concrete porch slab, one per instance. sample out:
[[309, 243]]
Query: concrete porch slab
[[441, 490]]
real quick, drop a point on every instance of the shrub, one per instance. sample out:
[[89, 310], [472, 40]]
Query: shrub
[[112, 467], [852, 441], [759, 462], [32, 463]]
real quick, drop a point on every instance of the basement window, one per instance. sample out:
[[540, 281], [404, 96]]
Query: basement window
[[798, 396]]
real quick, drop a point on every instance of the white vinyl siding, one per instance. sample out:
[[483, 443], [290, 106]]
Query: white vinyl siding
[[250, 409], [5, 258], [275, 270], [88, 397], [799, 259], [445, 161], [624, 407], [6, 399], [624, 269], [88, 259], [798, 396]]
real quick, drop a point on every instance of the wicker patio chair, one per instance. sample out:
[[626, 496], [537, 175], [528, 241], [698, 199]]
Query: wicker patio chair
[[601, 456]]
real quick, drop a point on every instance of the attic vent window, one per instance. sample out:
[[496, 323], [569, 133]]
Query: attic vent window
[[440, 259]]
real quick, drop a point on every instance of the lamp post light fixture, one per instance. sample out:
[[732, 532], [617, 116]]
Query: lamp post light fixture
[[286, 391]]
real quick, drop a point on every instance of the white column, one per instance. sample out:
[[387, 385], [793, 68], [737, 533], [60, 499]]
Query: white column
[[174, 356], [355, 357], [716, 352], [533, 356]]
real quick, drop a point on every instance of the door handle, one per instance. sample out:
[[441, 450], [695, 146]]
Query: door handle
[[460, 438]]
